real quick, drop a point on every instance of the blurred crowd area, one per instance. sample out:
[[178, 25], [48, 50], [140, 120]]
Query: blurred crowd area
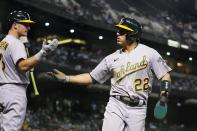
[[159, 18], [64, 115]]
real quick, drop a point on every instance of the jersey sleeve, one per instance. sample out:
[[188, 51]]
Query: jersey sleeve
[[101, 73], [18, 52], [159, 65]]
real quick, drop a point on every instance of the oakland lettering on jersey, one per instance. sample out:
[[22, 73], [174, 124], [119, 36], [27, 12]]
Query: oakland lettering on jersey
[[130, 68]]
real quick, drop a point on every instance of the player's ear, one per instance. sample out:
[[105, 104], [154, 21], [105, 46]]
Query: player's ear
[[14, 25]]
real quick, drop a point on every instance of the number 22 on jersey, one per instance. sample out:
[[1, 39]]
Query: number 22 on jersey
[[141, 84], [3, 46], [2, 64]]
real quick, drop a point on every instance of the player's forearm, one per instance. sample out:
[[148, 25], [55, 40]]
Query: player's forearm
[[26, 64], [166, 77], [81, 79], [165, 85]]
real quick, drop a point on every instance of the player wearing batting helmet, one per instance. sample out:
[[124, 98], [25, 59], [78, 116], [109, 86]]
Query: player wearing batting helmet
[[132, 28], [131, 70], [14, 70], [19, 17]]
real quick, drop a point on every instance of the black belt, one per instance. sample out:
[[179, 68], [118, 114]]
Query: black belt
[[126, 100]]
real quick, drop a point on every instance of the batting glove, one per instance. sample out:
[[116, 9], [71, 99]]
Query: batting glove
[[47, 47]]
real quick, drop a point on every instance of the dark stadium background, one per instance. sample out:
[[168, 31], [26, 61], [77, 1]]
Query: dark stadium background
[[75, 108]]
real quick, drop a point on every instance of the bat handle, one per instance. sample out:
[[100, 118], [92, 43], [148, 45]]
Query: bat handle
[[36, 93]]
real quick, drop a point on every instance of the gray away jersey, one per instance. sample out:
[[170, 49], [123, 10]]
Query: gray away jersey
[[131, 74], [12, 50]]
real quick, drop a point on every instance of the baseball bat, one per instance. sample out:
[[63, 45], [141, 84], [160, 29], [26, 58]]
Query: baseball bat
[[36, 93]]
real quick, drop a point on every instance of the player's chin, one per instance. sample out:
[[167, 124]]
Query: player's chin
[[24, 34], [119, 43]]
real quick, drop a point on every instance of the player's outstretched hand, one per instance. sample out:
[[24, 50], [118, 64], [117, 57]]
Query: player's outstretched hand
[[49, 46], [58, 75]]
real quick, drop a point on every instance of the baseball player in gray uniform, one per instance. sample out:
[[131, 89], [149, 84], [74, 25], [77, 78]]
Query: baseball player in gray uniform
[[14, 67], [131, 71]]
